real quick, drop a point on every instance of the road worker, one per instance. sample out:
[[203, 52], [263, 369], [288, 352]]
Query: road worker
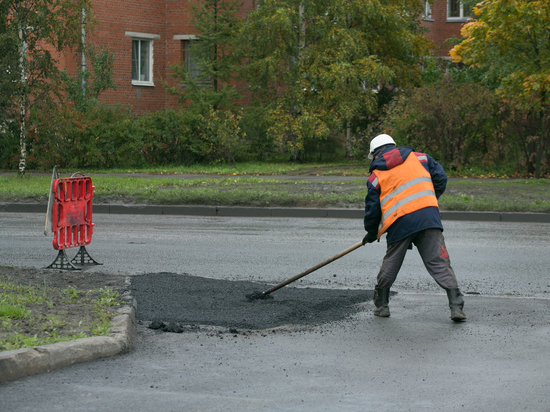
[[403, 189]]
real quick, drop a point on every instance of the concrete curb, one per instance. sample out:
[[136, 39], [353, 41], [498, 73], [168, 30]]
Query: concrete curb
[[19, 363], [236, 211]]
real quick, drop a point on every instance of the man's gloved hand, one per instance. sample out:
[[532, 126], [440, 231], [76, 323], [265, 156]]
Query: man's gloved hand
[[369, 238]]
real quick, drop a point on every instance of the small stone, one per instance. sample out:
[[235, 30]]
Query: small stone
[[156, 325]]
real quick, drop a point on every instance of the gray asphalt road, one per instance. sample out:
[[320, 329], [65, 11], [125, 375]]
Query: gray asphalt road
[[494, 258], [417, 360]]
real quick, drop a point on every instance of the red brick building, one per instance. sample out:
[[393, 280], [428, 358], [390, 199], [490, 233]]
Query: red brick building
[[147, 36], [443, 19]]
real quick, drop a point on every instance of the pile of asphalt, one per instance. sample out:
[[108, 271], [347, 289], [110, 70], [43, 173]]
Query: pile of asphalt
[[182, 302]]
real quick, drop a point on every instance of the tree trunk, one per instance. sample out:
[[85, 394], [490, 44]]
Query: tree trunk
[[349, 146], [302, 41], [23, 101], [22, 138], [540, 144], [538, 157]]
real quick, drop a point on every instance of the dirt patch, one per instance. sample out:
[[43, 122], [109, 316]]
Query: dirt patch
[[61, 279], [181, 302], [61, 302]]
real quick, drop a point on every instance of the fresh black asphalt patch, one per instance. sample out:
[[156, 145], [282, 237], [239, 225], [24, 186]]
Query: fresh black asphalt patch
[[181, 302]]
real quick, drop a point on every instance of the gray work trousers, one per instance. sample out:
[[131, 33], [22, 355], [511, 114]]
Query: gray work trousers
[[432, 249]]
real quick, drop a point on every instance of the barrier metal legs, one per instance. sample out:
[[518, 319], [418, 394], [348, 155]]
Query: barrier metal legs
[[81, 260], [62, 262]]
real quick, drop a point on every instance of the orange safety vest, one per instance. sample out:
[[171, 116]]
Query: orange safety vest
[[404, 189]]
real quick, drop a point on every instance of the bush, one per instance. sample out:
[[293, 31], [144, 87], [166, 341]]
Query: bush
[[53, 135], [257, 143], [103, 136], [166, 137], [110, 137], [9, 145], [219, 135], [454, 122]]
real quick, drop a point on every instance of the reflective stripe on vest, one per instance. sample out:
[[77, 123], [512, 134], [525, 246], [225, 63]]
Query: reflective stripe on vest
[[404, 189]]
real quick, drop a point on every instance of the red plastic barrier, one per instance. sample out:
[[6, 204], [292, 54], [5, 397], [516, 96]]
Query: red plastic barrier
[[72, 212]]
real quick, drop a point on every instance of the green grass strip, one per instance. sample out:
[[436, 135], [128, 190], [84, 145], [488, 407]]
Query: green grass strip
[[500, 195]]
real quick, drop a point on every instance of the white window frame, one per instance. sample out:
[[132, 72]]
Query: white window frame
[[149, 38], [461, 16], [427, 11]]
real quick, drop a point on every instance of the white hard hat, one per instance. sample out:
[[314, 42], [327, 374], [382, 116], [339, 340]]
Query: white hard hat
[[379, 141]]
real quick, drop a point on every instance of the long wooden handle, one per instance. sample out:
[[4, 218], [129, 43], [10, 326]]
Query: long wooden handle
[[50, 203], [313, 269]]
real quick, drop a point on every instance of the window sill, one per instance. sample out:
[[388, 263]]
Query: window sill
[[139, 83], [457, 19], [427, 19]]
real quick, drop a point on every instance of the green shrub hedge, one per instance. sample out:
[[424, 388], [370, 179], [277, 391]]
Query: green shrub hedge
[[109, 136], [462, 125]]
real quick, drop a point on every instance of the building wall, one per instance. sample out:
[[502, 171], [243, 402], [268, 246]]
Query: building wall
[[116, 18], [166, 18], [440, 28]]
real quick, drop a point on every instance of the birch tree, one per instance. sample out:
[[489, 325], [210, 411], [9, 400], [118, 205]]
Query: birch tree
[[30, 33]]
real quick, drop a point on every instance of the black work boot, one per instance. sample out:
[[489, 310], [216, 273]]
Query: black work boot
[[381, 300], [456, 303]]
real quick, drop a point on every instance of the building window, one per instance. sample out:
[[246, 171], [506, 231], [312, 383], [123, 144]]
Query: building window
[[457, 11], [142, 58], [427, 11], [190, 59]]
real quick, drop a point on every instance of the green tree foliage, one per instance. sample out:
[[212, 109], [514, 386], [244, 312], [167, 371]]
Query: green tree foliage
[[221, 132], [9, 80], [9, 72], [107, 136], [317, 63], [207, 81], [29, 31], [510, 39], [96, 80], [452, 121]]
